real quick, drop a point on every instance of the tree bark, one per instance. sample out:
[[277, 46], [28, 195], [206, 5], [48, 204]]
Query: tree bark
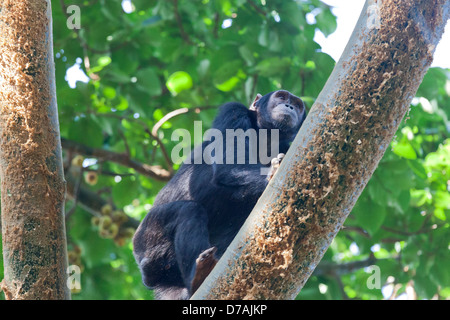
[[334, 155], [32, 179]]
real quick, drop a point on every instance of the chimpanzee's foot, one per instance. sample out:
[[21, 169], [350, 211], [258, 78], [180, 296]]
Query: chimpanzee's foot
[[205, 263]]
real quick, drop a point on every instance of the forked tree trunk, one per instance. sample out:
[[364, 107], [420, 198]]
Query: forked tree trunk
[[32, 180], [335, 153]]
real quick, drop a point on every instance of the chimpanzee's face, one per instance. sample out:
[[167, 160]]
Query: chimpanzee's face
[[286, 110]]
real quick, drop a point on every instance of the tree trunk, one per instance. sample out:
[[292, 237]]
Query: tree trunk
[[32, 179], [335, 153]]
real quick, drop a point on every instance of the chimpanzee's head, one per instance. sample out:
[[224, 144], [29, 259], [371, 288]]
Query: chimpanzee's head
[[279, 110]]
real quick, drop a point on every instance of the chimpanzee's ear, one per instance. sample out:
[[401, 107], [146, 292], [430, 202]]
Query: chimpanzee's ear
[[252, 105]]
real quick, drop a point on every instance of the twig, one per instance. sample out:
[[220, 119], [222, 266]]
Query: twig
[[341, 288], [255, 81], [334, 269], [165, 153], [216, 25], [258, 9], [359, 230], [183, 33], [157, 126], [125, 142], [166, 118], [175, 113], [109, 173], [407, 233], [155, 172]]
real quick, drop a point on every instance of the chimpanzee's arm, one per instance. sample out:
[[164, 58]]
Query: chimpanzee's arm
[[236, 116]]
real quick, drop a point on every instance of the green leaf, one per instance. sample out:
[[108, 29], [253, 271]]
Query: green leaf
[[401, 203], [404, 149], [432, 82], [292, 13], [440, 269], [125, 191], [436, 160], [263, 38], [228, 85], [148, 81], [178, 82], [116, 75], [422, 284], [310, 65], [247, 54], [228, 76], [126, 60], [102, 62], [108, 125], [377, 192], [123, 104], [86, 131], [370, 216], [418, 169], [420, 197], [274, 42], [440, 214], [164, 9], [326, 22], [109, 92], [442, 199], [273, 66]]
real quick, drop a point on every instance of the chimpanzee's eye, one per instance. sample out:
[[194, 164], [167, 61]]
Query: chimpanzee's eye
[[282, 95], [299, 103]]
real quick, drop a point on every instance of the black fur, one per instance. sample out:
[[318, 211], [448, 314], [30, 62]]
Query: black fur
[[203, 206]]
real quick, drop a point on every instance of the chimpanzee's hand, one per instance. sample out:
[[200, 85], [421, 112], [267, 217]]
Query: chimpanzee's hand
[[274, 165]]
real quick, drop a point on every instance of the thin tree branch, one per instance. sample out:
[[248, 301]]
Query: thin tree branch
[[157, 126], [125, 142], [257, 9], [175, 113], [166, 118], [339, 269], [216, 25], [183, 33], [109, 173], [155, 172], [408, 233], [358, 230]]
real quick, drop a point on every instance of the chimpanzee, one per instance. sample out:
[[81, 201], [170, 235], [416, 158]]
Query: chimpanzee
[[200, 210]]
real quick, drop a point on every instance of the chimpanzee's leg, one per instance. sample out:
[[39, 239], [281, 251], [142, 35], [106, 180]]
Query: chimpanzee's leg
[[191, 238]]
